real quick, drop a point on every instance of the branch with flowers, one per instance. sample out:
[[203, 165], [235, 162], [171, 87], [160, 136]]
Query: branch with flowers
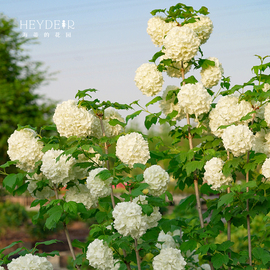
[[91, 152]]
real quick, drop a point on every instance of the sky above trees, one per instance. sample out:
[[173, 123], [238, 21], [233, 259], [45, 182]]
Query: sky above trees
[[109, 41]]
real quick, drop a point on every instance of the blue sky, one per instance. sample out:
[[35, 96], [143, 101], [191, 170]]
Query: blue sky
[[110, 42]]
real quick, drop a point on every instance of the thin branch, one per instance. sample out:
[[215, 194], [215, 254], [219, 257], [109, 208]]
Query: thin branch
[[67, 233], [137, 255]]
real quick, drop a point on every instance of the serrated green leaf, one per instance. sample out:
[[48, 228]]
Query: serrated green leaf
[[114, 122], [10, 182], [188, 245], [219, 259], [7, 164], [71, 207], [156, 56], [192, 166], [132, 116], [153, 101], [147, 209], [104, 174], [101, 216], [224, 246], [54, 216], [225, 199], [261, 254]]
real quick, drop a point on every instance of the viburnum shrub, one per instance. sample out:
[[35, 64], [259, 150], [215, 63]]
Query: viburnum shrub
[[231, 163]]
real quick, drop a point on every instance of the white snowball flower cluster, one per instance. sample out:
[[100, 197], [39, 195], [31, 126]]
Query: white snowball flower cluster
[[227, 111], [157, 28], [132, 148], [71, 120], [157, 179], [129, 220], [237, 139], [58, 172], [167, 239], [169, 258], [32, 181], [109, 114], [152, 220], [206, 266], [98, 188], [211, 75], [24, 146], [168, 106], [213, 173], [267, 114], [261, 143], [2, 268], [81, 194], [194, 99], [100, 256], [266, 87], [181, 44], [148, 79], [203, 27], [266, 168], [174, 70], [30, 262]]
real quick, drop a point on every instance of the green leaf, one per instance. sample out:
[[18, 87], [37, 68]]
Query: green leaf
[[147, 209], [155, 11], [225, 245], [10, 182], [101, 216], [139, 165], [54, 216], [138, 191], [114, 122], [83, 93], [151, 119], [49, 242], [225, 199], [71, 207], [219, 259], [36, 202], [191, 80], [49, 147], [192, 166], [188, 202], [104, 175], [169, 195], [188, 245], [7, 164], [261, 254], [132, 116], [156, 56], [153, 101]]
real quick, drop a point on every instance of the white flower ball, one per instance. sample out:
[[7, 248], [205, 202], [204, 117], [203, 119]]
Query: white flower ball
[[167, 239], [99, 255], [111, 131], [30, 262], [157, 179], [129, 220], [148, 79], [267, 114], [58, 172], [45, 193], [203, 27], [169, 258], [212, 74], [261, 143], [2, 268], [81, 194], [266, 168], [213, 173], [181, 44], [132, 148], [168, 106], [71, 120], [237, 139], [266, 87], [152, 220], [157, 28], [227, 111], [194, 99], [24, 146], [98, 188]]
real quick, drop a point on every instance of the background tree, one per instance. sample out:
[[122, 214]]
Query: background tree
[[19, 79]]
